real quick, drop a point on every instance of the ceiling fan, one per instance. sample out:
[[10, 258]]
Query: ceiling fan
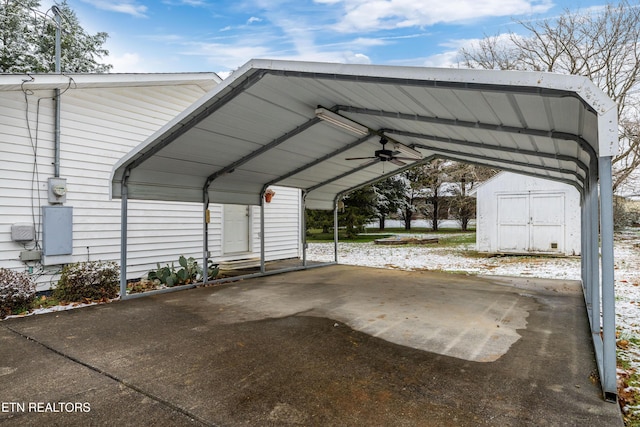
[[384, 155]]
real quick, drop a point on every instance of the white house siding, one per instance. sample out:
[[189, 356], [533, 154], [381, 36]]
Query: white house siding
[[99, 125], [553, 215], [282, 228]]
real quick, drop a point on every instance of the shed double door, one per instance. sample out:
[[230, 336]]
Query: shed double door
[[531, 222]]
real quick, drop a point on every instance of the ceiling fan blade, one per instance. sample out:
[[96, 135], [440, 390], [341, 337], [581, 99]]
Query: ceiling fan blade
[[370, 162], [397, 162], [410, 159], [360, 158]]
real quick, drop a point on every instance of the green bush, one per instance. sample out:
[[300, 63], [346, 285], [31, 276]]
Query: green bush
[[93, 280], [17, 291]]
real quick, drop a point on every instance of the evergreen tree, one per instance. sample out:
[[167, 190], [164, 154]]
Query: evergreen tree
[[359, 209], [27, 40], [18, 35], [390, 197]]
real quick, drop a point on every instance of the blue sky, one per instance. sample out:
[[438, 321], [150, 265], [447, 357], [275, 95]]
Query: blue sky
[[219, 36]]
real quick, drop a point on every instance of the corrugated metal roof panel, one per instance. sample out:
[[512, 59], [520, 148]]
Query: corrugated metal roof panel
[[259, 128]]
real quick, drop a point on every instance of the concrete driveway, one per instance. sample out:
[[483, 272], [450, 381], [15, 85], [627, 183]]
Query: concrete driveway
[[340, 345]]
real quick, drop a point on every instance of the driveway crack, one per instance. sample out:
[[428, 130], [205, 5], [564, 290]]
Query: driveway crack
[[117, 379]]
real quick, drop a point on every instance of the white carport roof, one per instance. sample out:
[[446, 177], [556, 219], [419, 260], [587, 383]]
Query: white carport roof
[[259, 128]]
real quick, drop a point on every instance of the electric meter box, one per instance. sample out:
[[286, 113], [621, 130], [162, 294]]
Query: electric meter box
[[57, 235], [57, 190]]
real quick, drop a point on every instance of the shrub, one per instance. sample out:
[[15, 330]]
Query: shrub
[[93, 280], [17, 291]]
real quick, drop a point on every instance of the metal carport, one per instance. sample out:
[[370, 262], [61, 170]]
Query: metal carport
[[296, 123]]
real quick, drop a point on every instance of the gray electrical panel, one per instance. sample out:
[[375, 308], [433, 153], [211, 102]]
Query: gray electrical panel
[[57, 234]]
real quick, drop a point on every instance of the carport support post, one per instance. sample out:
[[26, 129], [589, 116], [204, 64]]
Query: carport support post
[[205, 237], [303, 223], [608, 293], [123, 237], [335, 229], [594, 255], [584, 245], [262, 264]]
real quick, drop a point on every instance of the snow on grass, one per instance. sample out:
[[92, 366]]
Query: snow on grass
[[432, 257]]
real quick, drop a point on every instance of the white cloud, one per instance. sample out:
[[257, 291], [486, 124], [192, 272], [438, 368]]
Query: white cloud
[[368, 42], [253, 19], [227, 55], [371, 15], [127, 7], [127, 63], [356, 58], [447, 59]]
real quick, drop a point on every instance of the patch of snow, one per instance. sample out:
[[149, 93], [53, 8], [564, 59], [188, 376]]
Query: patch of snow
[[54, 308], [431, 257]]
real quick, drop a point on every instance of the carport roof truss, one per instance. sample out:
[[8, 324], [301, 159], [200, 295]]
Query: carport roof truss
[[316, 126], [259, 128]]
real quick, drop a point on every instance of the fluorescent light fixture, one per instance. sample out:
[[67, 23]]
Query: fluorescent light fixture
[[341, 122], [407, 151]]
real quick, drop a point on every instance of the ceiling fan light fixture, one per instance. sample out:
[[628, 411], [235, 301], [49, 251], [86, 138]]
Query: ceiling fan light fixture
[[407, 151], [341, 122]]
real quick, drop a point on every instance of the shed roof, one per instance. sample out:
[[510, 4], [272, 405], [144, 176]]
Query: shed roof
[[259, 127]]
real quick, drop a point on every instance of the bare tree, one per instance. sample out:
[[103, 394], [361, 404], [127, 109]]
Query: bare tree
[[464, 178], [435, 175], [413, 193], [602, 45]]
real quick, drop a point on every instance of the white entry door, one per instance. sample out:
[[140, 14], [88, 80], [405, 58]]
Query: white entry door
[[236, 228], [531, 222]]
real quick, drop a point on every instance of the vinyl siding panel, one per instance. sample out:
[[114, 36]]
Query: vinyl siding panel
[[98, 127]]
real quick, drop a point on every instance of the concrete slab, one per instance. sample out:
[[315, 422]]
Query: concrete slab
[[339, 345]]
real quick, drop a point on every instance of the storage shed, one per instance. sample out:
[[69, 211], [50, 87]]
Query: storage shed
[[521, 214], [55, 197]]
